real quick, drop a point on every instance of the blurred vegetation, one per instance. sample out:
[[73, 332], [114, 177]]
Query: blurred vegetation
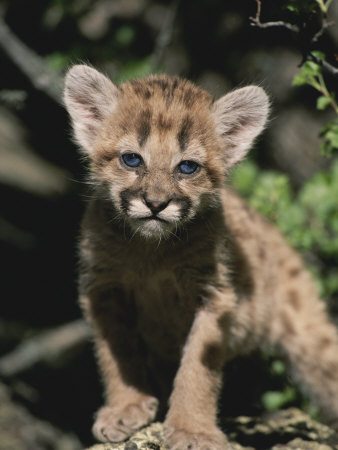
[[286, 177], [308, 218], [311, 73]]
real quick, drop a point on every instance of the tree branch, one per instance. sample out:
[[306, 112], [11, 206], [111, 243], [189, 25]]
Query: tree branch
[[322, 30], [164, 37], [327, 66], [307, 54], [256, 21], [32, 65], [49, 347]]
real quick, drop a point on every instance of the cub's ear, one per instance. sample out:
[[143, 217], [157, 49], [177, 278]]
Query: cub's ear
[[89, 97], [240, 116]]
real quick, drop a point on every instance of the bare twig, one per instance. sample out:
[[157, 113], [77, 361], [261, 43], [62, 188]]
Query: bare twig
[[32, 65], [256, 21], [324, 27], [49, 347]]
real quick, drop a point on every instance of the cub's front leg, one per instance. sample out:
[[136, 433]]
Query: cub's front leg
[[191, 422], [129, 404]]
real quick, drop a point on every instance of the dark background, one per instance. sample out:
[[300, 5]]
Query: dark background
[[41, 174]]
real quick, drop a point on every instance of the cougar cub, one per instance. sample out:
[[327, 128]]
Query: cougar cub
[[178, 275]]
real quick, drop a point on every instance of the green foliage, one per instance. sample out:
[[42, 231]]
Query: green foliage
[[274, 400], [308, 219], [311, 74], [135, 69], [319, 197], [329, 133]]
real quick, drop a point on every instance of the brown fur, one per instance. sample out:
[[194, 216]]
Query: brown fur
[[178, 275]]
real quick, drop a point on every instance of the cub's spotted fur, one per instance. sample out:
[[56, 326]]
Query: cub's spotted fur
[[178, 275]]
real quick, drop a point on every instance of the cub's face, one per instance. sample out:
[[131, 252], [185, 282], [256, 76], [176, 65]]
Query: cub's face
[[157, 158], [160, 146]]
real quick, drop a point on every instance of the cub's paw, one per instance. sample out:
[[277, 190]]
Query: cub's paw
[[115, 424], [179, 439]]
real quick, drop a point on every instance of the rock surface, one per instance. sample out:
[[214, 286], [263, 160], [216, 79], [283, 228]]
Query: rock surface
[[286, 429]]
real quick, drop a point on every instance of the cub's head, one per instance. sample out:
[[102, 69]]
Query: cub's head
[[160, 146]]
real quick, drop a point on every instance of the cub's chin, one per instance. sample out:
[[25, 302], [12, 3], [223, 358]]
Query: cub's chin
[[153, 228]]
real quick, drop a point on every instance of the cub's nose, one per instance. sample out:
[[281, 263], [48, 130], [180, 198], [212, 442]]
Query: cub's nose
[[155, 205]]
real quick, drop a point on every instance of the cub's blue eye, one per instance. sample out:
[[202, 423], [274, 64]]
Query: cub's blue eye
[[188, 167], [132, 159]]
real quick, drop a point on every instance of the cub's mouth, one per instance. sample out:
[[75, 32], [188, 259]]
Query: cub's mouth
[[147, 218]]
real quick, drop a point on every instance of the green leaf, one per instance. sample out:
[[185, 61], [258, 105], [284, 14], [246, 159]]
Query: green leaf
[[311, 68], [323, 102], [273, 400], [299, 80], [318, 54]]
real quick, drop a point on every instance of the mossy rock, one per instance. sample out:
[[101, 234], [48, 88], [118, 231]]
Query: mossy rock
[[287, 429]]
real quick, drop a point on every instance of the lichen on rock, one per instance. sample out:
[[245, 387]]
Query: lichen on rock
[[286, 429]]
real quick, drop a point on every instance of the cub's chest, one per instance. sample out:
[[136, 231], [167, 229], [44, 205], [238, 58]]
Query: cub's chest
[[164, 312]]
